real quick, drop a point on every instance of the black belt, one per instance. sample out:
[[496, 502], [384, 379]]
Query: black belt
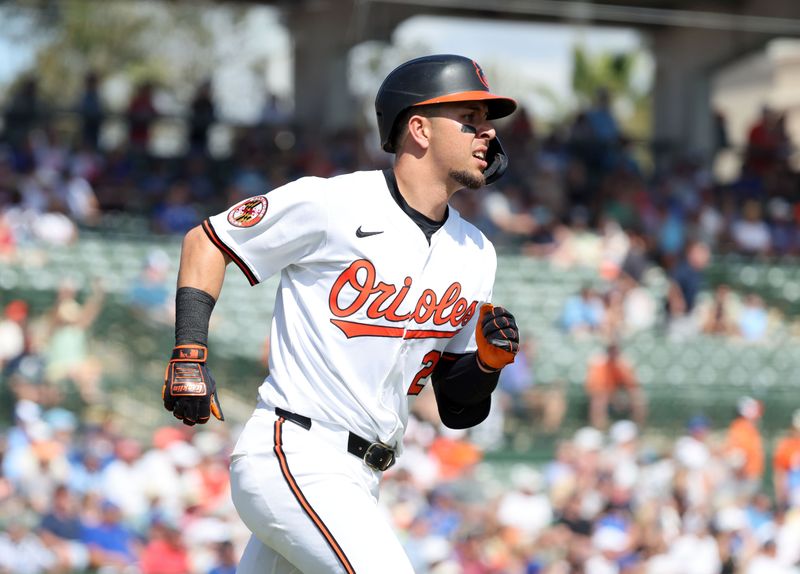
[[375, 455]]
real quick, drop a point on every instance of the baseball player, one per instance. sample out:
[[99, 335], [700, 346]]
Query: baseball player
[[383, 290]]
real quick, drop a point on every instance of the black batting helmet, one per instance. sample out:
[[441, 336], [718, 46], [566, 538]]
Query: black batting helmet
[[435, 80]]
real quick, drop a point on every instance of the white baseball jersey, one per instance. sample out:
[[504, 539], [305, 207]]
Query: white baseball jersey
[[365, 306]]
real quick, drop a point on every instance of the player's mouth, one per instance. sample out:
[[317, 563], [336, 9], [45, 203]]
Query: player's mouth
[[480, 155]]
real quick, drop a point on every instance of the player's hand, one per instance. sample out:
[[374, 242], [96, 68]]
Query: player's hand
[[189, 389], [497, 336]]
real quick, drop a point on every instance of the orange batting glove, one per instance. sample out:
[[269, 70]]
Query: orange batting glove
[[497, 336]]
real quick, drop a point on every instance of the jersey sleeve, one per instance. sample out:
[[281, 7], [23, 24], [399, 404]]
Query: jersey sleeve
[[265, 233]]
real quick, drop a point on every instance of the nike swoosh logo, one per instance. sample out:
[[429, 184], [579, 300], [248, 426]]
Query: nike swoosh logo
[[360, 233]]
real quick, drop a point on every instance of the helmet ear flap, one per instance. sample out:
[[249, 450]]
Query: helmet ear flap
[[498, 161]]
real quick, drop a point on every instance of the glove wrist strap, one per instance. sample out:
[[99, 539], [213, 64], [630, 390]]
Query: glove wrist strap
[[484, 366], [189, 354]]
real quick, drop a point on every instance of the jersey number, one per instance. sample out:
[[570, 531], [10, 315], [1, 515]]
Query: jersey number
[[429, 362]]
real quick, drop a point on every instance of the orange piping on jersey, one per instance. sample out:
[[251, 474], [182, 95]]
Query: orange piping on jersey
[[212, 235], [352, 329], [428, 334], [298, 494]]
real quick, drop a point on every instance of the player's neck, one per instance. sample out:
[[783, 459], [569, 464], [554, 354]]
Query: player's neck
[[423, 191]]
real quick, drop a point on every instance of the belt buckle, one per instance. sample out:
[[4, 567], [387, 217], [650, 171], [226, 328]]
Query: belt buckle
[[379, 456]]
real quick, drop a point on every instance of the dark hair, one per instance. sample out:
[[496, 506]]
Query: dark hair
[[399, 130]]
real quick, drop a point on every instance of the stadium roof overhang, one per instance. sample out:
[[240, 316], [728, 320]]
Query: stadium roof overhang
[[710, 14]]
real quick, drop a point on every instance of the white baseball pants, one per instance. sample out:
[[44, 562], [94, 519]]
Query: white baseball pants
[[311, 505]]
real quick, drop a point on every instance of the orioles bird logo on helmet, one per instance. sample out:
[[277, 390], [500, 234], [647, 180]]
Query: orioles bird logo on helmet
[[481, 75]]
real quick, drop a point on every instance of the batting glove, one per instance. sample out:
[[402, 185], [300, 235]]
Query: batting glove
[[497, 336], [189, 389]]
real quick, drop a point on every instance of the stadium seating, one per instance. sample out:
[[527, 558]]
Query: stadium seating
[[680, 377]]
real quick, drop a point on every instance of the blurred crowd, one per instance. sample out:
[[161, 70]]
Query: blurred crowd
[[82, 491], [82, 495], [79, 494], [577, 194], [580, 192]]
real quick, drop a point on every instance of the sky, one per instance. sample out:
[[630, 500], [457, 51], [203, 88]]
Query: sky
[[516, 56]]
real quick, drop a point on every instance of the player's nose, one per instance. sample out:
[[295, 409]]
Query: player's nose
[[487, 131]]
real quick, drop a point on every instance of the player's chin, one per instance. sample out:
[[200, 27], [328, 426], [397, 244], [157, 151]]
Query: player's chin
[[471, 179]]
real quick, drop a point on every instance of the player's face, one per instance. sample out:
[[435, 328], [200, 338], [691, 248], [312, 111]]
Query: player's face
[[462, 141]]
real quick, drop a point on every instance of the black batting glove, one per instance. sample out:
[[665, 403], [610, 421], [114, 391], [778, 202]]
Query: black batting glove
[[189, 390]]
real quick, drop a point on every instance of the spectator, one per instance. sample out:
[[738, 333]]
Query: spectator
[[21, 551], [124, 485], [141, 113], [750, 233], [695, 471], [67, 355], [90, 108], [149, 294], [753, 320], [509, 214], [13, 332], [766, 561], [784, 237], [786, 466], [23, 114], [639, 308], [176, 214], [526, 509], [202, 117], [583, 313], [60, 529], [578, 244], [274, 113], [744, 447], [612, 384], [719, 316], [225, 558], [689, 273], [603, 133], [77, 195], [112, 544], [766, 143], [696, 551], [527, 401], [165, 551]]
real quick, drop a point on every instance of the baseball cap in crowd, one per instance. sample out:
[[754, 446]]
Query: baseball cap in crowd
[[183, 455], [28, 411], [60, 419], [165, 436], [796, 419], [588, 439], [698, 423], [731, 519], [108, 505], [435, 549], [526, 478], [623, 431], [16, 310], [610, 539], [749, 408]]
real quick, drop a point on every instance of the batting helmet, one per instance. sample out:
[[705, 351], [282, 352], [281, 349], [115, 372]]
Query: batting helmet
[[435, 80]]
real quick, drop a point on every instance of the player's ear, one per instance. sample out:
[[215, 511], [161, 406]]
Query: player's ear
[[419, 128]]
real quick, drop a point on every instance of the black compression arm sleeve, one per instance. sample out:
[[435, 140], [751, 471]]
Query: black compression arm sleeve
[[193, 309], [460, 380]]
